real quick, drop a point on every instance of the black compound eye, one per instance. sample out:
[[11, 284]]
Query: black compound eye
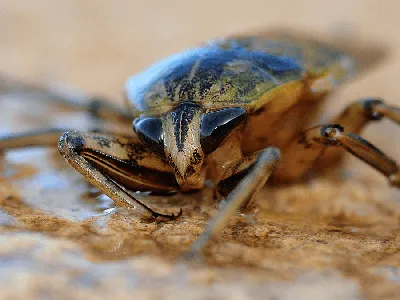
[[149, 131], [216, 126]]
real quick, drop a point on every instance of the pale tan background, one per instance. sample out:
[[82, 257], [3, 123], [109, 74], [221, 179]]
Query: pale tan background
[[95, 46], [351, 252]]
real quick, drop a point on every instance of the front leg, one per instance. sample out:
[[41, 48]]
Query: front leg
[[258, 174], [109, 162]]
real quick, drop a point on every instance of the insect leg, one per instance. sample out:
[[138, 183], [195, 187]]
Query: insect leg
[[41, 137], [109, 162], [317, 138], [44, 137], [355, 117], [97, 107], [354, 144], [251, 183], [234, 174], [360, 113]]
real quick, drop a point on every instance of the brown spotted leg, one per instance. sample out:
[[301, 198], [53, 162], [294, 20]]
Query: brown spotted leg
[[355, 117], [305, 152], [259, 173], [307, 149], [108, 162], [354, 144]]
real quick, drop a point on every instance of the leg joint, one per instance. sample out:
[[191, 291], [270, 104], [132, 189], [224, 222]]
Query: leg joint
[[95, 106], [329, 130], [369, 106], [71, 142]]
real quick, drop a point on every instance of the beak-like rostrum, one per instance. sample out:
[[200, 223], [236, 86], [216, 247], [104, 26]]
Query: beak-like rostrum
[[182, 144]]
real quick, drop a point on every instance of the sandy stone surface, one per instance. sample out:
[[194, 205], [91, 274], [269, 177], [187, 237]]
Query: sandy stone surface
[[331, 237]]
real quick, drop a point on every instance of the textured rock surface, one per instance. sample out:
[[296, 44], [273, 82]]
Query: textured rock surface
[[323, 239]]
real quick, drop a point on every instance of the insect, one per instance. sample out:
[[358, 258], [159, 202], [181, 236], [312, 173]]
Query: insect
[[235, 111]]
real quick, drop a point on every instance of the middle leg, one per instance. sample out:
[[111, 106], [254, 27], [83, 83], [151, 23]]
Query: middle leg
[[260, 171]]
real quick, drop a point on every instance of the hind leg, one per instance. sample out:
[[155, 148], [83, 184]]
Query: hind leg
[[98, 107]]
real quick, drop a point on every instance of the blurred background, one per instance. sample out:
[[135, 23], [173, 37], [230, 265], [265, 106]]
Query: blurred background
[[94, 46]]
